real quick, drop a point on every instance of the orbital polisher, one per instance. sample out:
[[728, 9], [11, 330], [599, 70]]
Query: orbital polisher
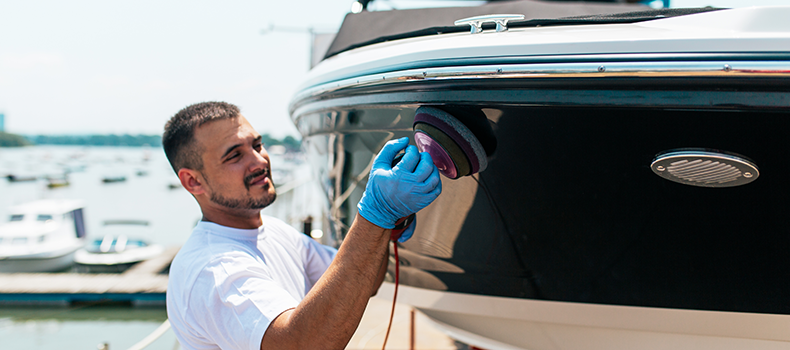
[[460, 141], [459, 145]]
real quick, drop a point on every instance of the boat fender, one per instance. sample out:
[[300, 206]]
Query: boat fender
[[456, 150]]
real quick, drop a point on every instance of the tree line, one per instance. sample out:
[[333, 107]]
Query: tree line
[[12, 140]]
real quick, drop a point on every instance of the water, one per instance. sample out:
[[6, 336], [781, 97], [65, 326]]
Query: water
[[171, 214], [81, 328]]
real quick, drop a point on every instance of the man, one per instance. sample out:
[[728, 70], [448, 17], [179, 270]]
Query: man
[[247, 281]]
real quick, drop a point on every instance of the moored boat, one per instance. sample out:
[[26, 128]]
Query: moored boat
[[42, 236], [17, 178], [115, 251], [632, 198], [113, 179], [56, 182]]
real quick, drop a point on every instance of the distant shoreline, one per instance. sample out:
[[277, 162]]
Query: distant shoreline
[[124, 140], [97, 140]]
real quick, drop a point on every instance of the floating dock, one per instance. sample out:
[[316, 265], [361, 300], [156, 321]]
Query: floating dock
[[142, 285]]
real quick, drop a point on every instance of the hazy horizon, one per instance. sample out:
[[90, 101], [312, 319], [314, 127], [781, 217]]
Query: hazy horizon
[[89, 66], [125, 67]]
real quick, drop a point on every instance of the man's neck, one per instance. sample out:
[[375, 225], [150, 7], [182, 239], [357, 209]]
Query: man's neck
[[243, 220]]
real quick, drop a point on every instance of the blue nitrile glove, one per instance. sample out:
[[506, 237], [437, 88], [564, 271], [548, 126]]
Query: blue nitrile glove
[[408, 232], [396, 192]]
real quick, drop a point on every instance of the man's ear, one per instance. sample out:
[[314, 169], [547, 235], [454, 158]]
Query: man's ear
[[191, 180]]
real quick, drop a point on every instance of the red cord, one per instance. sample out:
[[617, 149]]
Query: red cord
[[394, 296]]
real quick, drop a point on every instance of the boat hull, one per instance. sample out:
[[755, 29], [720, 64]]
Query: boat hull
[[520, 324], [60, 262], [571, 239], [86, 261], [570, 212]]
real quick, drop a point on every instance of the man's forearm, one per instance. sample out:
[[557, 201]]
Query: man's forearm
[[331, 311], [382, 271]]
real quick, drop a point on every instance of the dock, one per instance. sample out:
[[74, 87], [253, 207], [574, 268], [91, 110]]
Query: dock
[[141, 285]]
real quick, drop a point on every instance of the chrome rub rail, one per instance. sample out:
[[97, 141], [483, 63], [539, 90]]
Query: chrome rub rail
[[554, 71]]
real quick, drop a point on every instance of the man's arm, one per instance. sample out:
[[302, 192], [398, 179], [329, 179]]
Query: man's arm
[[403, 237], [382, 272], [330, 313]]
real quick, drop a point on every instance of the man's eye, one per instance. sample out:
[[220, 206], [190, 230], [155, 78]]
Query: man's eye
[[258, 147], [235, 155]]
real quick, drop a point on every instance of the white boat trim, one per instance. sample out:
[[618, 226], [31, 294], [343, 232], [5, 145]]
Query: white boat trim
[[470, 338], [755, 30], [600, 325]]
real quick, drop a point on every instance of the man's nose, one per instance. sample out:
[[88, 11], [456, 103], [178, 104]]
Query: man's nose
[[259, 160]]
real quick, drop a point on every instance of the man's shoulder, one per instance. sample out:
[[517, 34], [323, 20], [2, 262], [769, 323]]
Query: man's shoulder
[[202, 249], [209, 241], [277, 228], [275, 223]]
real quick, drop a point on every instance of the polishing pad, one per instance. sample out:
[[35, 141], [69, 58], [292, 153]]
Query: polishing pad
[[430, 137], [455, 149]]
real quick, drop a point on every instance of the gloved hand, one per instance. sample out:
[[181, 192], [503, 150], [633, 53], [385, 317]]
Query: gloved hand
[[396, 192], [408, 232]]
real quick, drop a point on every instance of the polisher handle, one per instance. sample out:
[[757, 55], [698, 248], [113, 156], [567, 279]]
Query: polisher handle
[[401, 226]]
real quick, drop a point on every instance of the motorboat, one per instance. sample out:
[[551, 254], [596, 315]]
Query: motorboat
[[114, 179], [42, 236], [633, 193], [115, 253], [57, 182], [17, 178]]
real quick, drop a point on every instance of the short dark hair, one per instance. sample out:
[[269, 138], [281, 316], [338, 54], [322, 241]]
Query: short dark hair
[[179, 137]]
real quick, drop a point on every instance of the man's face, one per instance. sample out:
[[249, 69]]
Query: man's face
[[236, 169]]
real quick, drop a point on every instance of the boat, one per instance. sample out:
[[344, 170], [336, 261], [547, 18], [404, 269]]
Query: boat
[[116, 252], [113, 179], [42, 236], [17, 178], [57, 182], [634, 197]]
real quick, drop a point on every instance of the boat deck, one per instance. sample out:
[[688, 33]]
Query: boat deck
[[141, 285]]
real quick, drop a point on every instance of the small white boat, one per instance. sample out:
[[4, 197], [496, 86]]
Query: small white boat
[[42, 236], [116, 253]]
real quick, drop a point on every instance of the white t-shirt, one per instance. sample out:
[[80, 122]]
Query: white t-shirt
[[227, 285]]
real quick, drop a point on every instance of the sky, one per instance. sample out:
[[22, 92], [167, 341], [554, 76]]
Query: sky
[[86, 66], [90, 66]]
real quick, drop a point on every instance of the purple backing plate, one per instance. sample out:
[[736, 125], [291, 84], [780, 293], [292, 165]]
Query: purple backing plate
[[440, 157]]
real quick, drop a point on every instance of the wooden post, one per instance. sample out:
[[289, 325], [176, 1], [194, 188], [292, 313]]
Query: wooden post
[[307, 225], [411, 331]]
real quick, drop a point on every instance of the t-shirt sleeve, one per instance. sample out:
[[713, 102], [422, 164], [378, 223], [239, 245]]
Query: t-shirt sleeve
[[243, 300], [317, 259]]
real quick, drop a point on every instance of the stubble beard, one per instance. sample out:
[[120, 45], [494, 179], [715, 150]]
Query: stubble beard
[[249, 203]]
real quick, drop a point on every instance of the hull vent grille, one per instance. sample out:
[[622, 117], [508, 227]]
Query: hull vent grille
[[705, 168]]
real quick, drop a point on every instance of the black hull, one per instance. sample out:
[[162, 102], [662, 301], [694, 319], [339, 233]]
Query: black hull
[[576, 214], [569, 209]]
